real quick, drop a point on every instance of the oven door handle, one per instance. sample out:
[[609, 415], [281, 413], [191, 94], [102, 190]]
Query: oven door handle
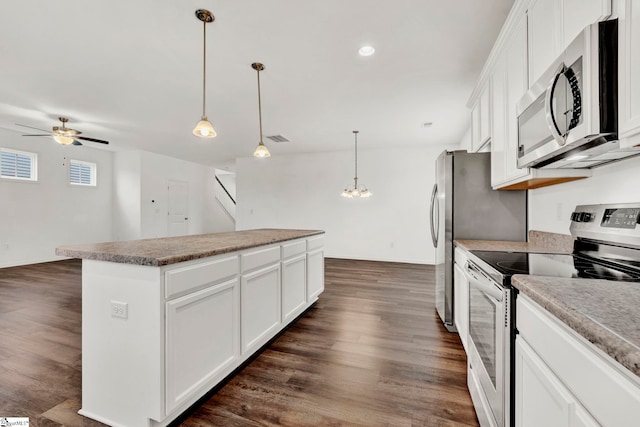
[[484, 284]]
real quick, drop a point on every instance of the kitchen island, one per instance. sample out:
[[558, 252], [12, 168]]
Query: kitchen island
[[165, 320]]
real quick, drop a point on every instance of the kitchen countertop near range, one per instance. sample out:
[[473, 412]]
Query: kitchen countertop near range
[[171, 250], [539, 242], [604, 312]]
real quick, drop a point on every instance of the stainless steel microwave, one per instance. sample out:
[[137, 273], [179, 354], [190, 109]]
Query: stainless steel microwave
[[569, 117]]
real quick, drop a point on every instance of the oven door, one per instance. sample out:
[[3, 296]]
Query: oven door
[[488, 325]]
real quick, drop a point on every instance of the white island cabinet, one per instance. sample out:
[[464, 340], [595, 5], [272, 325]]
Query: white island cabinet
[[165, 320]]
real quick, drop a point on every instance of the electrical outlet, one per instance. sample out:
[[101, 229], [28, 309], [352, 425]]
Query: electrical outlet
[[119, 309]]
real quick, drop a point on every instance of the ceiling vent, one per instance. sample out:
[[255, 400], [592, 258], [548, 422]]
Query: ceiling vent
[[278, 138]]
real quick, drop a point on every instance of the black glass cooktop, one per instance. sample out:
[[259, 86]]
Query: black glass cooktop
[[557, 265]]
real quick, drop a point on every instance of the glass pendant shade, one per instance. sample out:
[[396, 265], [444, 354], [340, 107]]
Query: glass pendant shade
[[261, 151], [204, 129], [64, 140]]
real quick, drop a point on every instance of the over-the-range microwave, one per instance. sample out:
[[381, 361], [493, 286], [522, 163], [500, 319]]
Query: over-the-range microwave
[[569, 117]]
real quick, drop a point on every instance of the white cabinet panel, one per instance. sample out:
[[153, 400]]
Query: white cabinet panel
[[499, 121], [461, 302], [294, 286], [541, 399], [544, 29], [481, 121], [202, 340], [258, 258], [315, 274], [200, 274], [577, 14], [629, 83], [260, 306]]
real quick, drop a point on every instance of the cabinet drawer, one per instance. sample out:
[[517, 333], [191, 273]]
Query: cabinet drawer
[[190, 278], [260, 257], [315, 242], [290, 249], [593, 377]]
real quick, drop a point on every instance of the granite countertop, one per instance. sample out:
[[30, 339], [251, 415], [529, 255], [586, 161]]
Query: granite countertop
[[539, 242], [604, 312], [171, 250]]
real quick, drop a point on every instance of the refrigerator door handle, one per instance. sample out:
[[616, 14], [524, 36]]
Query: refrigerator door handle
[[435, 208]]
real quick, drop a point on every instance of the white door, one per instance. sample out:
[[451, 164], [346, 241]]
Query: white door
[[178, 208]]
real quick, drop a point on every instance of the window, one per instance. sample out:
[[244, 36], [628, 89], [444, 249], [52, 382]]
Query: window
[[18, 165], [82, 173]]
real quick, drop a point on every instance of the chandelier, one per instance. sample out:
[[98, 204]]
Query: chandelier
[[356, 190]]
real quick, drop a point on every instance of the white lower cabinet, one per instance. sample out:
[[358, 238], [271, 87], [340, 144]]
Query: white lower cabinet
[[541, 399], [315, 274], [461, 297], [565, 381], [202, 339], [260, 306], [294, 286]]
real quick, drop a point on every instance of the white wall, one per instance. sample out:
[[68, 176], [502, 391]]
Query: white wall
[[550, 207], [37, 217], [142, 196], [303, 191], [126, 195]]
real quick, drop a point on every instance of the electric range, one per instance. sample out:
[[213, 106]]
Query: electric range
[[606, 246]]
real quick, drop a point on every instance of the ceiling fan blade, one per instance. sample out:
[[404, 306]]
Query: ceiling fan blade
[[84, 138], [31, 127], [76, 142], [44, 134]]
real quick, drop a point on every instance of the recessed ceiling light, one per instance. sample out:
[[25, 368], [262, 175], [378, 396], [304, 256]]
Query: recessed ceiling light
[[366, 51]]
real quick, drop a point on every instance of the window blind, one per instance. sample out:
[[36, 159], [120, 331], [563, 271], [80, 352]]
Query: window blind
[[82, 173], [17, 165]]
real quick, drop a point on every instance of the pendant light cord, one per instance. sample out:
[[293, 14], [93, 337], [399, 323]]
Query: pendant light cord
[[259, 106], [204, 68], [356, 145]]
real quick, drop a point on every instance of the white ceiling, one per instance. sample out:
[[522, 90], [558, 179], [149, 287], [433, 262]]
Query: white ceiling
[[131, 71]]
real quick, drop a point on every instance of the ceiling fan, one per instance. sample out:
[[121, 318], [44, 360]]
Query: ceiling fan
[[64, 135]]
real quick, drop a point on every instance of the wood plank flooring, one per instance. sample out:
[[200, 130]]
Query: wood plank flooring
[[371, 352]]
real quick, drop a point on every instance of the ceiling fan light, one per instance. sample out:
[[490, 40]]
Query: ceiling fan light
[[63, 140], [261, 151], [204, 129]]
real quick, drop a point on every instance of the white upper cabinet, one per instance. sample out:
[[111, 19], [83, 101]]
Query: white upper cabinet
[[629, 82], [499, 121], [544, 31], [481, 121], [577, 14], [553, 24]]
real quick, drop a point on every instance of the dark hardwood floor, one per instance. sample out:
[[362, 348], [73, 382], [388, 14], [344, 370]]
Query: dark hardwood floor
[[371, 352]]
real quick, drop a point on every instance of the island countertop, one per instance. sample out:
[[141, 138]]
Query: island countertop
[[171, 250]]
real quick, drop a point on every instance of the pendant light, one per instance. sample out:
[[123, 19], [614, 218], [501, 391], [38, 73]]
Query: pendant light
[[204, 129], [355, 191], [261, 150]]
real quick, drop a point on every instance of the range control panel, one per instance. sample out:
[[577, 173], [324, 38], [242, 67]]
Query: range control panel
[[614, 223]]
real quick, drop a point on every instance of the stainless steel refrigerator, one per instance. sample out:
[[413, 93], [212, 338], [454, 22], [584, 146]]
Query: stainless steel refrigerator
[[464, 206]]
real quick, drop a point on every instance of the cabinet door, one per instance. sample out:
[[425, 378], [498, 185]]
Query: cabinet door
[[202, 340], [629, 90], [544, 30], [481, 120], [516, 60], [541, 399], [294, 286], [461, 303], [260, 306], [577, 14], [315, 274]]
